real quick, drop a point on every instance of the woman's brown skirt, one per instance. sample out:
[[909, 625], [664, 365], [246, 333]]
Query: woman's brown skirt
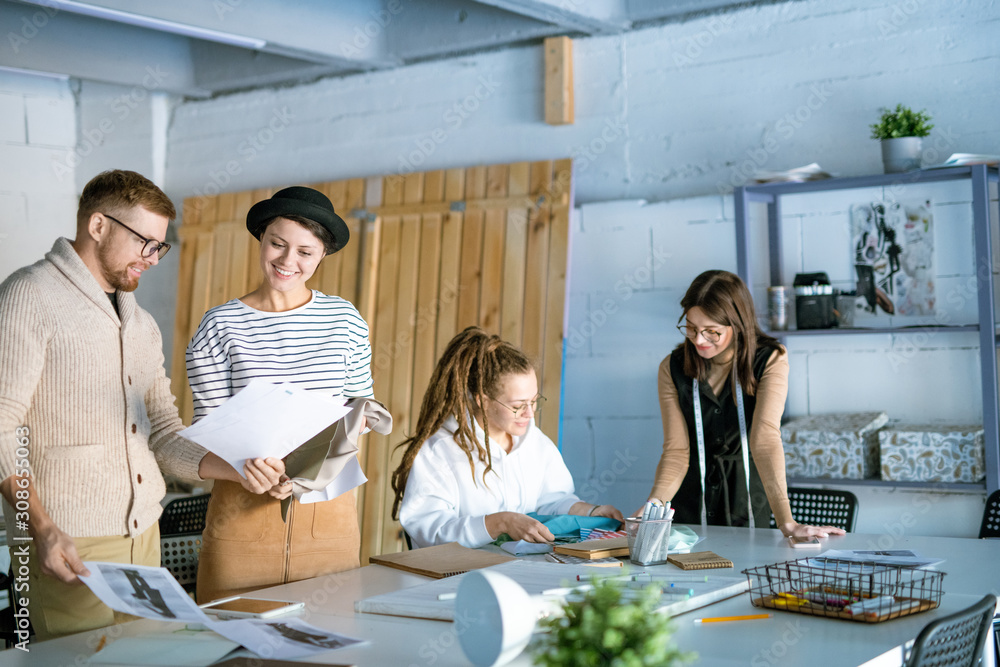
[[246, 545]]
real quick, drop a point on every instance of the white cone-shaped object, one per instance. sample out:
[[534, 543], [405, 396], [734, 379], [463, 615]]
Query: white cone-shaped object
[[494, 618]]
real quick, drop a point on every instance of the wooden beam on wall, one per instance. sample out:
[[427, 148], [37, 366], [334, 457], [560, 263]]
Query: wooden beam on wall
[[559, 81]]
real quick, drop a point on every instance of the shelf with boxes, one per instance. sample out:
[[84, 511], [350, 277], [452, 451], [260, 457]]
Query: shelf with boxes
[[921, 446], [867, 447]]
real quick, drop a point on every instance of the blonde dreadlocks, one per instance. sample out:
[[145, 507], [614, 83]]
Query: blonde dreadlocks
[[472, 368]]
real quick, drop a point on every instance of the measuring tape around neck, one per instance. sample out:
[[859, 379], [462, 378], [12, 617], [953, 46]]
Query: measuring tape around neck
[[700, 430]]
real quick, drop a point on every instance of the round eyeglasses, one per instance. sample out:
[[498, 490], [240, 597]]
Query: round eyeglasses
[[519, 410], [151, 246], [711, 335]]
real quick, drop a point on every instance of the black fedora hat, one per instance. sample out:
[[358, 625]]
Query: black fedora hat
[[301, 202]]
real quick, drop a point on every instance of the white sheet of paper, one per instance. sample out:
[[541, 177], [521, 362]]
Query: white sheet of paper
[[149, 592], [284, 638], [524, 548], [350, 476], [180, 649], [264, 419]]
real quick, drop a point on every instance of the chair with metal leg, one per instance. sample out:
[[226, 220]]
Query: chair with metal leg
[[822, 507], [956, 640]]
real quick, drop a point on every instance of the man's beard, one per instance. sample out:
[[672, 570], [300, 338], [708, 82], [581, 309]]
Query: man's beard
[[117, 278]]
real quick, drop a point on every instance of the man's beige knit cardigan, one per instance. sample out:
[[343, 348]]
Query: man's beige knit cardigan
[[91, 390]]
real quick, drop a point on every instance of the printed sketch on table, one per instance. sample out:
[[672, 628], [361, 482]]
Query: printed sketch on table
[[894, 243], [145, 590]]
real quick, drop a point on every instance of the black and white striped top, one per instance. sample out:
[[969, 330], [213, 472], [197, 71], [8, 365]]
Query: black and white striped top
[[321, 346]]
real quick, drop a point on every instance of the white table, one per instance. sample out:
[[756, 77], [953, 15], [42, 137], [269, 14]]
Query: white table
[[784, 639]]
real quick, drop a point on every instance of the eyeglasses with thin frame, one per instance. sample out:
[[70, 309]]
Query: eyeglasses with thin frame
[[711, 335], [518, 411], [151, 247]]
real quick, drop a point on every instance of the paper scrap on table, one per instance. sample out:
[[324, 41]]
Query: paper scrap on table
[[263, 420], [141, 590], [185, 648], [350, 477], [281, 638]]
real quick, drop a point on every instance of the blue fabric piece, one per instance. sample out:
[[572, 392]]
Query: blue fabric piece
[[569, 525]]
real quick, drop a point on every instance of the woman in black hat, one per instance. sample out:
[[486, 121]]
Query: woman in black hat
[[282, 332]]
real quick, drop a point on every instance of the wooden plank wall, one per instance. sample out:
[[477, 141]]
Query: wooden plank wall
[[430, 254]]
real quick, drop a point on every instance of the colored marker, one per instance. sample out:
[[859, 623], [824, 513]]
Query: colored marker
[[721, 619], [615, 577], [687, 578], [447, 596]]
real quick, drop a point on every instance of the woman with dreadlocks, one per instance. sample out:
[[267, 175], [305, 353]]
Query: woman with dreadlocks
[[477, 463]]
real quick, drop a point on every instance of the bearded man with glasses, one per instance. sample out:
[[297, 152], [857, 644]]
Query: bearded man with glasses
[[87, 420]]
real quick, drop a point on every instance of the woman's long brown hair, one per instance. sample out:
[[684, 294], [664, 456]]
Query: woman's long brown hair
[[471, 369], [724, 298]]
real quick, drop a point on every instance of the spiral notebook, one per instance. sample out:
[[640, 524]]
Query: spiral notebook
[[699, 560], [443, 560]]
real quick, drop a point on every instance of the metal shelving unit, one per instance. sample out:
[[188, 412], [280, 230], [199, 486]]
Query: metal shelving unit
[[979, 177]]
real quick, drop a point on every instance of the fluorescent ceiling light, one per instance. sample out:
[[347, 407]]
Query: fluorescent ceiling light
[[34, 72], [141, 21]]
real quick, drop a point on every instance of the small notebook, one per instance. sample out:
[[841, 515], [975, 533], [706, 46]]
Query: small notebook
[[443, 560], [699, 560], [593, 549]]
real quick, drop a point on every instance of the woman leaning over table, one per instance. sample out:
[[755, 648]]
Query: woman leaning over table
[[478, 464], [282, 332], [734, 367]]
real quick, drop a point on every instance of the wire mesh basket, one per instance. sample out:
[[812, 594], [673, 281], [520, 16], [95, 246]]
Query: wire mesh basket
[[863, 592]]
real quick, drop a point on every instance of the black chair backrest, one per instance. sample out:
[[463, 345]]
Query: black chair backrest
[[991, 516], [956, 640], [184, 516], [820, 507]]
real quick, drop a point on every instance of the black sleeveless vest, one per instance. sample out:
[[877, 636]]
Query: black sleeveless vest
[[725, 487]]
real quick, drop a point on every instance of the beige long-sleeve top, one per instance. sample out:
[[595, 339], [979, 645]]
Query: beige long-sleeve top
[[86, 389], [764, 436]]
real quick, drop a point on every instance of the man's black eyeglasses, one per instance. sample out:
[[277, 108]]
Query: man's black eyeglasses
[[151, 247]]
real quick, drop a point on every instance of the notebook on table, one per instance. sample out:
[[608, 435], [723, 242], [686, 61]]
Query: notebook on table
[[443, 560], [612, 547], [699, 560]]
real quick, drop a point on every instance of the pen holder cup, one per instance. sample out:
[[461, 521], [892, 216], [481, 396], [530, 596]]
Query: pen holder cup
[[648, 541]]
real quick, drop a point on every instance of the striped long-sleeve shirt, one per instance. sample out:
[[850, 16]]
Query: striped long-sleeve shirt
[[321, 346]]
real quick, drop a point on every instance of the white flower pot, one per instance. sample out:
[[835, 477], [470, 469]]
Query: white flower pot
[[901, 154]]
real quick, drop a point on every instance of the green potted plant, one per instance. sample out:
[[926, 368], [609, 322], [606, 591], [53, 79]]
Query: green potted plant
[[600, 628], [900, 131]]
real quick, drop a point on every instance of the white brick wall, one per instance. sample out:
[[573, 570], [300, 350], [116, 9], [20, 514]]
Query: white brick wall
[[661, 113], [37, 122]]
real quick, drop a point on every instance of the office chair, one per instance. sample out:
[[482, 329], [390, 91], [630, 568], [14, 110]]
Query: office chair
[[819, 507], [956, 640], [991, 517], [181, 526]]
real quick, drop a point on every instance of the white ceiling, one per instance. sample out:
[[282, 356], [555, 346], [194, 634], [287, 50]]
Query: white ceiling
[[201, 48]]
